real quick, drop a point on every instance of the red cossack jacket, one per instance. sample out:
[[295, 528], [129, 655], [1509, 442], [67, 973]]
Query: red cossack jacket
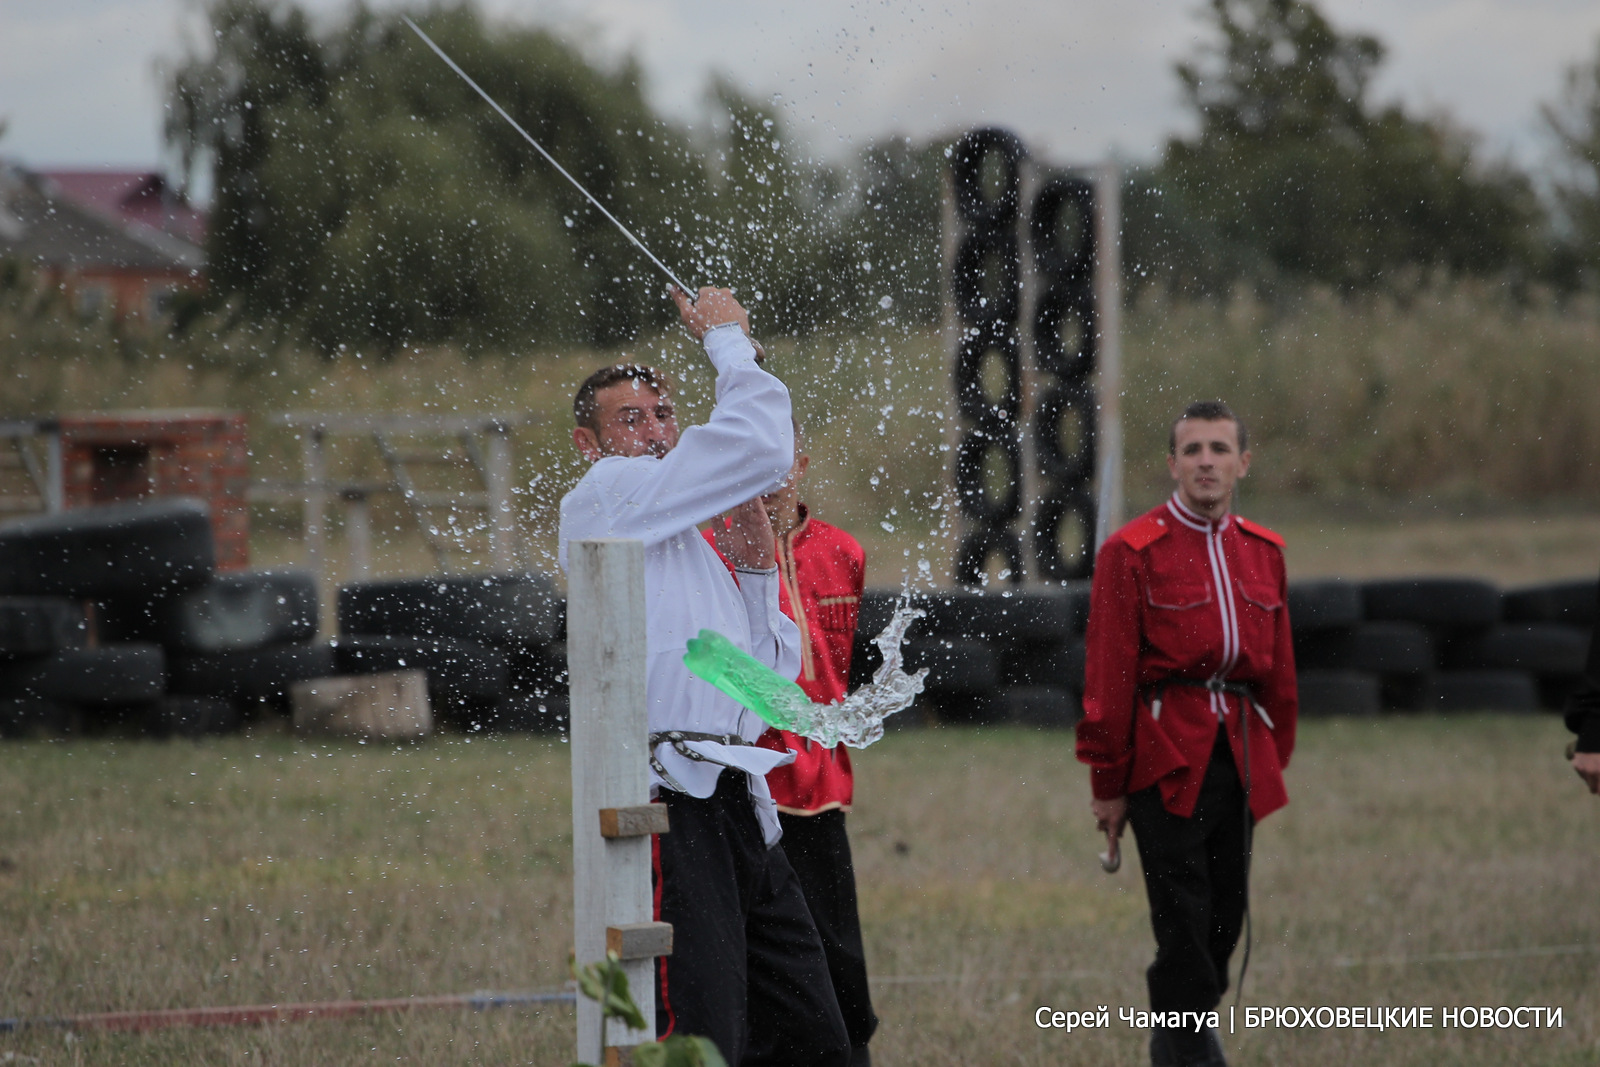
[[1178, 596], [821, 570]]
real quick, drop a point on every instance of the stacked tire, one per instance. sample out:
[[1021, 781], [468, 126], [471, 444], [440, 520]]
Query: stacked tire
[[992, 657], [58, 675], [234, 644], [1438, 644], [492, 645]]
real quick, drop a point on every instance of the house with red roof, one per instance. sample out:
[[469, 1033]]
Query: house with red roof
[[118, 243]]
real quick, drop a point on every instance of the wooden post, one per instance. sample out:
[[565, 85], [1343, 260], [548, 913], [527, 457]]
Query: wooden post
[[1108, 295], [497, 483], [610, 770], [316, 496], [54, 479], [357, 532]]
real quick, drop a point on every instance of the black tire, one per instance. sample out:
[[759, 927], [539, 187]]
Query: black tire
[[1069, 468], [38, 626], [1544, 648], [1574, 603], [971, 489], [458, 671], [979, 546], [956, 665], [1061, 665], [1057, 305], [234, 612], [992, 311], [1387, 648], [31, 718], [1007, 617], [191, 716], [1327, 604], [876, 611], [1555, 690], [528, 713], [144, 548], [254, 674], [503, 610], [538, 671], [1052, 259], [110, 674], [1042, 706], [1481, 691], [1339, 693], [1445, 603], [1063, 503], [993, 415], [957, 709], [966, 169]]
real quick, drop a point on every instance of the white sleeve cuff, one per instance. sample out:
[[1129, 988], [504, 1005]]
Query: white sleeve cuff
[[726, 345]]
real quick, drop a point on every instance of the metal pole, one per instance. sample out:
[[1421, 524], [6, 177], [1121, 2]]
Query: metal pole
[[1108, 295], [497, 482], [610, 769]]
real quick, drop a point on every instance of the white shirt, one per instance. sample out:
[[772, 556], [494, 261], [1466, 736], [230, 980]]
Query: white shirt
[[743, 451]]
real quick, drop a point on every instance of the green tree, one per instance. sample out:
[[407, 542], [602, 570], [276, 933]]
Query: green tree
[[1295, 173], [1574, 121], [364, 192]]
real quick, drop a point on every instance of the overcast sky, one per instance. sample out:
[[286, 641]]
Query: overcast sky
[[80, 82]]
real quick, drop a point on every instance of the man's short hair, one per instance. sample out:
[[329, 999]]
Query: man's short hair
[[585, 409], [1210, 411]]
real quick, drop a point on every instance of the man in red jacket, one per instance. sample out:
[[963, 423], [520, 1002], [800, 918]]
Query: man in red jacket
[[821, 570], [1189, 712]]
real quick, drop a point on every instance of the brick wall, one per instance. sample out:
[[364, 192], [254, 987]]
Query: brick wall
[[127, 455]]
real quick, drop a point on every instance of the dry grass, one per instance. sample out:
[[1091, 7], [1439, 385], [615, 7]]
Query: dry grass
[[144, 875]]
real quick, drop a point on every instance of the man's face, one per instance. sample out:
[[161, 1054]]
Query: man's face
[[632, 419], [1207, 463]]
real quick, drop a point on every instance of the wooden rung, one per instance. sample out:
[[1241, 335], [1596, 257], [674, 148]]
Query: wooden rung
[[639, 941], [428, 458], [619, 1056], [641, 820]]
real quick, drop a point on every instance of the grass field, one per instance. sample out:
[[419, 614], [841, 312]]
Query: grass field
[[1423, 861]]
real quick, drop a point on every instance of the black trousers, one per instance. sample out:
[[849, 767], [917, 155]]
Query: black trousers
[[819, 851], [1196, 877], [747, 968]]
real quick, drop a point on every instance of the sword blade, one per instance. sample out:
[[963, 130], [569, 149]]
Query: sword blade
[[440, 52]]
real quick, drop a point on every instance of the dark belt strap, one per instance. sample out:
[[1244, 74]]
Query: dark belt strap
[[1242, 690]]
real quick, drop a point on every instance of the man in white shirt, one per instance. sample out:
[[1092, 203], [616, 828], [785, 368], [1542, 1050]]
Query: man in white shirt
[[747, 968]]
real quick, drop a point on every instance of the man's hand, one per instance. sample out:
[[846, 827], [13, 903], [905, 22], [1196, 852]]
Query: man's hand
[[747, 537], [713, 307], [1587, 764], [1110, 816]]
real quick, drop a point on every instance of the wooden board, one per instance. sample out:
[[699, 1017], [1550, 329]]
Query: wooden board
[[392, 704]]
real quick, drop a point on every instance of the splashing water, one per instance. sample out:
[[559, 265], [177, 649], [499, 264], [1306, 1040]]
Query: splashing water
[[857, 720]]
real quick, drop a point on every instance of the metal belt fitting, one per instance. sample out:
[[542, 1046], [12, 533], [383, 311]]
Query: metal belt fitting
[[676, 739]]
